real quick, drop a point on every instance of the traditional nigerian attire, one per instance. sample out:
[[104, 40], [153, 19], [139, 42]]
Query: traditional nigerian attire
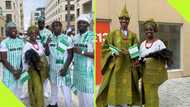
[[44, 34], [57, 58], [120, 80], [83, 74], [154, 73], [43, 37], [13, 48], [35, 83]]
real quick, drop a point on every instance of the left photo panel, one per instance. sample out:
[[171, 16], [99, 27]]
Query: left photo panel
[[47, 53]]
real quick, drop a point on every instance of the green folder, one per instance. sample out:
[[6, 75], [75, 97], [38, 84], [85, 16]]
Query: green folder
[[24, 77], [134, 51]]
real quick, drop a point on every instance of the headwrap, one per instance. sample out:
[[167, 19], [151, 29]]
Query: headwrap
[[31, 29], [152, 23], [124, 13]]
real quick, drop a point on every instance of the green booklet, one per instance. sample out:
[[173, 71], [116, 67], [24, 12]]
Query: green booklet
[[24, 77], [134, 51]]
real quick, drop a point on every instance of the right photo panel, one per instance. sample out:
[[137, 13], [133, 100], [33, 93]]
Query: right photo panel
[[142, 55]]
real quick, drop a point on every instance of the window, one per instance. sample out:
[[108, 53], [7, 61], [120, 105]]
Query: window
[[78, 12], [87, 7], [8, 18], [1, 11], [37, 14], [169, 33], [72, 7], [14, 5], [2, 31], [8, 4], [72, 17]]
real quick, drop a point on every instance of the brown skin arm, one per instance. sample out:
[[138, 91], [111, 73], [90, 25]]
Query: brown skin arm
[[87, 54], [63, 71], [47, 52], [9, 66]]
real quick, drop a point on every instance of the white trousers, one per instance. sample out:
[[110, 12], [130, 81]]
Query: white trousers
[[86, 99], [47, 91], [18, 91], [66, 93]]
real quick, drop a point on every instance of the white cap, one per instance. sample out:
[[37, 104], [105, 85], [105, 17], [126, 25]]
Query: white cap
[[84, 17]]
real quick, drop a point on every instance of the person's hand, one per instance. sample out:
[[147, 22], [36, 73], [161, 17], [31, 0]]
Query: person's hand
[[136, 63], [48, 40], [16, 74], [63, 72], [76, 50], [124, 51]]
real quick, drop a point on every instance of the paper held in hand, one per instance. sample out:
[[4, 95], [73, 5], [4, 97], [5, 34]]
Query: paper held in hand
[[24, 77], [134, 51]]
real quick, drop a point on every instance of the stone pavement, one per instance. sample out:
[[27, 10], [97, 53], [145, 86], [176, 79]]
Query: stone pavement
[[175, 93], [172, 93]]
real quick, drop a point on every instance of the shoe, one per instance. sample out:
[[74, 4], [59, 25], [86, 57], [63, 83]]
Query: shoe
[[56, 105], [53, 105]]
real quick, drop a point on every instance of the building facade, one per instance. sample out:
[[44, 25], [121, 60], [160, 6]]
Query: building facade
[[2, 27], [58, 10], [13, 11], [173, 29], [35, 14], [84, 7]]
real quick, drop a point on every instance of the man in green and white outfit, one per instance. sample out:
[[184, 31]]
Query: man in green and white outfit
[[44, 33], [60, 56], [11, 51], [83, 74]]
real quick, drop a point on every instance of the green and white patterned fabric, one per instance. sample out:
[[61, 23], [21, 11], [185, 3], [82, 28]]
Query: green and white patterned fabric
[[13, 47], [83, 74], [44, 34], [58, 55]]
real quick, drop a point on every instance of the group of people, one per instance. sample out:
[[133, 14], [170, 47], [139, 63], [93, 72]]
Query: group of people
[[132, 72], [48, 55]]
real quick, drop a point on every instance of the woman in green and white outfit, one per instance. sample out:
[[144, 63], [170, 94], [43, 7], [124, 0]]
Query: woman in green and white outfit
[[154, 56], [37, 77]]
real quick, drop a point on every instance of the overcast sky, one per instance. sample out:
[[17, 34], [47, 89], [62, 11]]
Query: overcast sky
[[30, 5]]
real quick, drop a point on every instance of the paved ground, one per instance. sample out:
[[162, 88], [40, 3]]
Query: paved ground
[[173, 93]]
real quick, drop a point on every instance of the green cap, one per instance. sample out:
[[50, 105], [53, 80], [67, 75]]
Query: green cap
[[124, 12]]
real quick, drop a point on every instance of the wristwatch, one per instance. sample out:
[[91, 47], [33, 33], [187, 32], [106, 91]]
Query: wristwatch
[[82, 52]]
